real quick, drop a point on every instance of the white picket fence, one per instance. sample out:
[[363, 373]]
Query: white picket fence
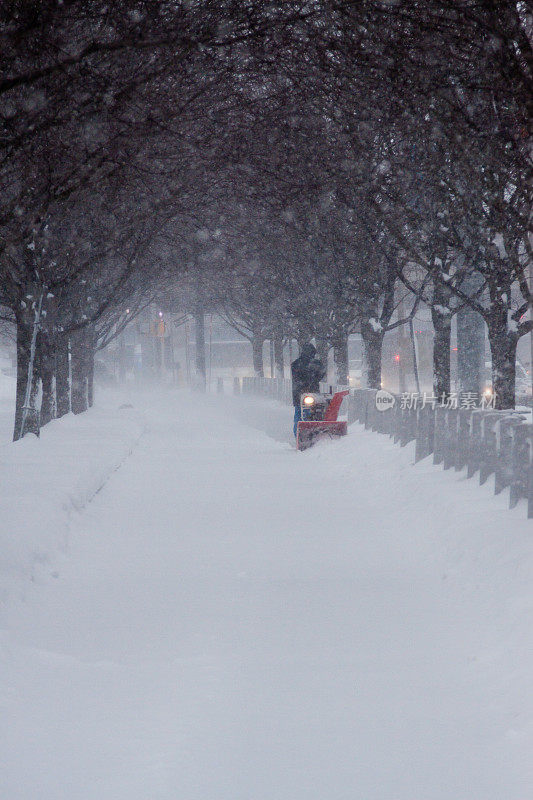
[[484, 441]]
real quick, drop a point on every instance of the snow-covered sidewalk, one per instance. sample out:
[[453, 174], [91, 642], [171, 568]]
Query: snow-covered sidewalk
[[233, 620], [44, 483]]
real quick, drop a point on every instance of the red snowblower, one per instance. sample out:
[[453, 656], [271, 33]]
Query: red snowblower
[[319, 418]]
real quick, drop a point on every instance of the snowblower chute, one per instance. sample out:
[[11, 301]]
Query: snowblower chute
[[319, 418]]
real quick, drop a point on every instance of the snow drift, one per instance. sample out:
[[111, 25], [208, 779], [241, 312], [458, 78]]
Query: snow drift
[[45, 482]]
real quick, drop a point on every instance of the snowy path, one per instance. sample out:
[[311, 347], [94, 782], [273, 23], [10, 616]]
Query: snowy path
[[236, 621]]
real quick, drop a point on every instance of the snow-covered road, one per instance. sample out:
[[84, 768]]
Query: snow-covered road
[[237, 621]]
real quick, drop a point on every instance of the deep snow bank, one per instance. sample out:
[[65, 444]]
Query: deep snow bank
[[8, 385], [7, 403], [43, 482]]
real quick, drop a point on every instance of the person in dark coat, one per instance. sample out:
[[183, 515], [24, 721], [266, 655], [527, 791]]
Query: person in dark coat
[[307, 372]]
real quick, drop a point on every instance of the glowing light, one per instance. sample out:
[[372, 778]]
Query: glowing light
[[308, 400], [160, 313], [397, 357]]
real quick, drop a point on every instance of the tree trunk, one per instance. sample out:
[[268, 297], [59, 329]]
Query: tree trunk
[[80, 357], [278, 354], [373, 345], [199, 328], [415, 355], [302, 340], [62, 375], [503, 345], [122, 357], [322, 351], [257, 353], [441, 353], [90, 376], [470, 341], [23, 358], [47, 369], [340, 351], [25, 369]]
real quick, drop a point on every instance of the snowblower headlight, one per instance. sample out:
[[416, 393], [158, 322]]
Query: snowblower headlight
[[309, 400]]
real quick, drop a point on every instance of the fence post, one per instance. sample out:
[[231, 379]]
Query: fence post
[[424, 432], [475, 443], [505, 455], [464, 418], [388, 418], [408, 426], [373, 411], [450, 437], [352, 413], [366, 412], [356, 405], [530, 487], [521, 463], [396, 425], [488, 446], [440, 434]]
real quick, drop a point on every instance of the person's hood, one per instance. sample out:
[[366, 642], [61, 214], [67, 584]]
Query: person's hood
[[308, 352]]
